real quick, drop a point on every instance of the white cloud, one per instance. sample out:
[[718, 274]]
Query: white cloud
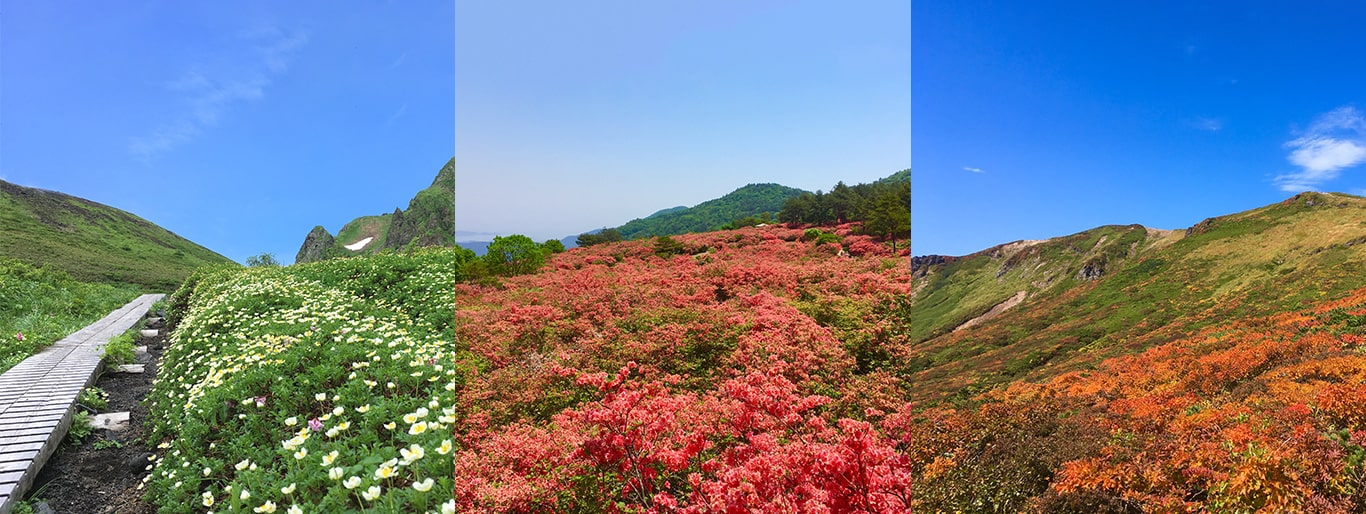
[[1210, 124], [974, 170], [208, 99], [400, 59], [402, 109], [1335, 141]]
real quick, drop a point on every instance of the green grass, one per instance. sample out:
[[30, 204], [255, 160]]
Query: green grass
[[46, 305], [94, 242]]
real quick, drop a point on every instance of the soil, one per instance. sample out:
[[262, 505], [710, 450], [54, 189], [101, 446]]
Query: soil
[[85, 480]]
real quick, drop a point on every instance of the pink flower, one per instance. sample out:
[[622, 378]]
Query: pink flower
[[315, 425], [19, 336]]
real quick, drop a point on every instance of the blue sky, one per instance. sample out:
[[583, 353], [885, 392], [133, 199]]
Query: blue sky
[[238, 125], [1042, 119], [572, 116]]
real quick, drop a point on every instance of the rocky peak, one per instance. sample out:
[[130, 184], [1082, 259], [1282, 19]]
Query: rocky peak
[[315, 245]]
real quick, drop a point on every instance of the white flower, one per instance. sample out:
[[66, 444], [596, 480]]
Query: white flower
[[207, 471], [208, 498], [384, 472], [320, 396], [412, 454], [335, 473], [299, 455], [448, 507], [291, 421], [338, 410], [243, 465], [268, 506], [288, 489], [418, 428], [423, 486], [352, 482], [371, 493], [330, 458], [245, 494], [445, 447], [294, 509]]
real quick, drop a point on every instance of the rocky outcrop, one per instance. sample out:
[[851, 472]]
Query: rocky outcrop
[[430, 217], [315, 246]]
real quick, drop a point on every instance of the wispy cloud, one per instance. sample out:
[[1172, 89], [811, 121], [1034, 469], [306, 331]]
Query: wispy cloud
[[1336, 140], [401, 109], [974, 170], [400, 59], [207, 97], [1210, 124]]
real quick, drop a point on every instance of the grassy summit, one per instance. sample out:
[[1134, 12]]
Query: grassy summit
[[93, 242]]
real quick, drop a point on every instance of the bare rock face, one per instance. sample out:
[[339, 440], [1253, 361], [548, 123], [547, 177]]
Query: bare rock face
[[315, 245]]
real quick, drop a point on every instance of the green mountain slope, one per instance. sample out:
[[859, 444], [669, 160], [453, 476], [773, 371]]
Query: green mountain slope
[[751, 200], [429, 220], [93, 242], [1034, 309]]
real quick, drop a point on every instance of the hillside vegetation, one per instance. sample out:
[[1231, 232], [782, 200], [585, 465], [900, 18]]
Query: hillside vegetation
[[428, 221], [363, 421], [94, 243], [751, 200], [728, 371], [1214, 369], [40, 306]]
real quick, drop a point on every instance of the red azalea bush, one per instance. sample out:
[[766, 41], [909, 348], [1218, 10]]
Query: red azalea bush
[[619, 380]]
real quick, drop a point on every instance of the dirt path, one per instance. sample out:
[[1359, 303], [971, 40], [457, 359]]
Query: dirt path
[[995, 311], [102, 474]]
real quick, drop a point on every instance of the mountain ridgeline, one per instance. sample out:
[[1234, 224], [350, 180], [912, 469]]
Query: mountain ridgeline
[[94, 243], [429, 220], [883, 206], [751, 200], [1035, 309], [1128, 369]]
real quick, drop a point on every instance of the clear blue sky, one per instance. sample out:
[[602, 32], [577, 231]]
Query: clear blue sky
[[1041, 119], [238, 125], [572, 116]]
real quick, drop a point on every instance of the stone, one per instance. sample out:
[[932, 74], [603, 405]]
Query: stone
[[150, 332], [315, 246], [129, 368], [111, 421]]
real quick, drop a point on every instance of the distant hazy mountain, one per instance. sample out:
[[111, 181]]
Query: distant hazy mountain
[[429, 220], [93, 242]]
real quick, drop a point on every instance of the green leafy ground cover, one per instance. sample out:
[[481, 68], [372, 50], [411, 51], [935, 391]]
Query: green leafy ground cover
[[320, 387], [40, 306]]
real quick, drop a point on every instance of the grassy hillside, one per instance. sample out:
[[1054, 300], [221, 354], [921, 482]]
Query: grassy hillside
[[40, 306], [750, 200], [1215, 369], [1153, 286], [94, 242]]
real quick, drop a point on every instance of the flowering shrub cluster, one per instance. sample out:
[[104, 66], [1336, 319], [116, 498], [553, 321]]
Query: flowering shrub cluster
[[742, 375], [323, 387]]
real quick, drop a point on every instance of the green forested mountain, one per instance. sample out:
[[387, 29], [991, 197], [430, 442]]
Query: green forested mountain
[[429, 220], [93, 242], [751, 200], [884, 206]]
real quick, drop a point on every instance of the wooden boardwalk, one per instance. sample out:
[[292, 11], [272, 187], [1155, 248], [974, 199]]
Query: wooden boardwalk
[[38, 396]]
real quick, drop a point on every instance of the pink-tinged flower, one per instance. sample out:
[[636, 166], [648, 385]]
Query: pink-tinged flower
[[260, 401], [19, 336], [315, 425]]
